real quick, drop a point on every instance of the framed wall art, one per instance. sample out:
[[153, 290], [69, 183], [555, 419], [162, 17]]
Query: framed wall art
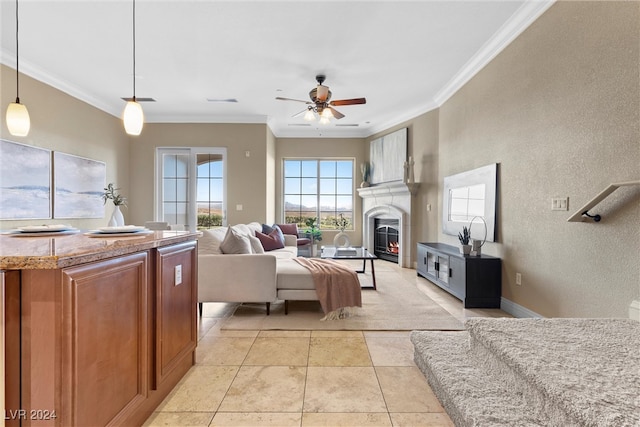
[[79, 184], [388, 155], [25, 181]]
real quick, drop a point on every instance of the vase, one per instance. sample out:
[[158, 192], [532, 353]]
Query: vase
[[117, 219], [364, 184], [465, 249], [341, 240]]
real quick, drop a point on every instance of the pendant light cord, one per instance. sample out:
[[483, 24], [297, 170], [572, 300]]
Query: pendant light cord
[[134, 50], [17, 60]]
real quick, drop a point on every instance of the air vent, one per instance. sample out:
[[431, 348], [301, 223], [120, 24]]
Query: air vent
[[300, 124], [139, 99], [347, 125], [222, 100]]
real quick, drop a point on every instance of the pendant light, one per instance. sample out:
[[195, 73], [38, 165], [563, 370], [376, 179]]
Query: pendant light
[[17, 117], [133, 117]]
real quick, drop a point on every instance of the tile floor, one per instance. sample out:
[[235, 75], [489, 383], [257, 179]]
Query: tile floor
[[306, 378]]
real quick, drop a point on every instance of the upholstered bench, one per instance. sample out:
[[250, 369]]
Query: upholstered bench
[[294, 282]]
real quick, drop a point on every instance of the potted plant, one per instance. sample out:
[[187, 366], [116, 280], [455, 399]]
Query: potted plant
[[110, 193], [464, 238], [313, 231]]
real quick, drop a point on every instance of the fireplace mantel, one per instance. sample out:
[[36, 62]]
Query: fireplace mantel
[[389, 200], [393, 188]]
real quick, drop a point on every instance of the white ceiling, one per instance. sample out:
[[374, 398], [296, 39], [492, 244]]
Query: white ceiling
[[405, 57]]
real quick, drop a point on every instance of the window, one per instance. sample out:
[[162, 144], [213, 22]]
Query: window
[[191, 187], [321, 189]]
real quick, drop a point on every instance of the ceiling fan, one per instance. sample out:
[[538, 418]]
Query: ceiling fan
[[322, 104]]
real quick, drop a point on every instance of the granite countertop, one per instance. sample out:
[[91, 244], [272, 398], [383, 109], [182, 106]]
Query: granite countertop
[[52, 252]]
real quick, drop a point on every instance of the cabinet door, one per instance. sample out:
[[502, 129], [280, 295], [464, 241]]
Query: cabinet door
[[105, 341], [443, 269], [458, 277], [422, 260], [176, 300]]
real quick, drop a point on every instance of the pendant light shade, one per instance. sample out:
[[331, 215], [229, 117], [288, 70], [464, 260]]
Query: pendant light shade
[[18, 121], [133, 118]]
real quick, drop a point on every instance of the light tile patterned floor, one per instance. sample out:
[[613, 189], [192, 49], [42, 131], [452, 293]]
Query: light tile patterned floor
[[306, 378]]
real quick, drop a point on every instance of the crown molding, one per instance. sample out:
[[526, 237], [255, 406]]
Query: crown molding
[[512, 28]]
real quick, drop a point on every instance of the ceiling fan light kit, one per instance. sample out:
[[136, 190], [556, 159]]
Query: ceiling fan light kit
[[17, 117], [321, 103], [133, 116]]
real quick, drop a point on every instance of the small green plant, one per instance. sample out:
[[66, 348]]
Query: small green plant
[[464, 236], [313, 229], [110, 194]]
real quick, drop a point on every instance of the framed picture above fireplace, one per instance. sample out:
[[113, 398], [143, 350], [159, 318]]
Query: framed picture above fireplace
[[467, 197], [388, 155]]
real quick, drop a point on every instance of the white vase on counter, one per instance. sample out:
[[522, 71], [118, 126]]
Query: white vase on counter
[[117, 219]]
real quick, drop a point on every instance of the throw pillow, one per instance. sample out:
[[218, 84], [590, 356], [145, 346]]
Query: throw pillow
[[271, 241], [289, 229], [267, 229], [256, 245], [235, 243], [210, 241]]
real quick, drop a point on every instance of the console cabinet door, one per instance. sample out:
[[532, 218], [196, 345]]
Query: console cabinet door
[[105, 377], [176, 300], [422, 260]]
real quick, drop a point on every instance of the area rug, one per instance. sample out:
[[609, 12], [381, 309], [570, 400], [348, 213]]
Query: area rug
[[396, 305]]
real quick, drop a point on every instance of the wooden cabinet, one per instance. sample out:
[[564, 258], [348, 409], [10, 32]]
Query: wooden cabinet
[[176, 330], [477, 281], [101, 343], [104, 370]]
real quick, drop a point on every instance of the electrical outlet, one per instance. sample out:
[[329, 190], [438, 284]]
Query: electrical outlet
[[518, 279], [178, 274]]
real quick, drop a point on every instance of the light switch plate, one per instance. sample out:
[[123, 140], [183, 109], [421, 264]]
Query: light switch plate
[[560, 204]]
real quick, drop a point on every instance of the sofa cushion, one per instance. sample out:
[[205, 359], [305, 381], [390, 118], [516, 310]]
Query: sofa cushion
[[271, 241], [266, 229], [256, 245], [291, 275], [235, 243], [289, 229], [209, 242]]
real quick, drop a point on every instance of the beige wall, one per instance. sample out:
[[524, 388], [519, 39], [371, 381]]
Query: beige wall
[[317, 148], [558, 109], [422, 145], [246, 183], [62, 123]]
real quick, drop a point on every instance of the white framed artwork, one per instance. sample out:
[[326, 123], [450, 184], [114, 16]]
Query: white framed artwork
[[388, 155]]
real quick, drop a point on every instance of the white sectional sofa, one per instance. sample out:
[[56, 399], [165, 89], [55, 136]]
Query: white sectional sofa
[[254, 277]]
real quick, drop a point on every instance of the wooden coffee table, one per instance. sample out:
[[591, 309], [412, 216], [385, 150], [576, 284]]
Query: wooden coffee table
[[352, 252]]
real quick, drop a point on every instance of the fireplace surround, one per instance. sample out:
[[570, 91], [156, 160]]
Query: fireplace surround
[[389, 201]]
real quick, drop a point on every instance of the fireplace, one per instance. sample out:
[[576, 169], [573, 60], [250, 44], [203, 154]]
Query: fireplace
[[386, 239], [389, 201]]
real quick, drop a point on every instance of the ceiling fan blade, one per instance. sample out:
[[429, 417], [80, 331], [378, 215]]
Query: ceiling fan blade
[[279, 98], [336, 114], [353, 101], [322, 93], [300, 113]]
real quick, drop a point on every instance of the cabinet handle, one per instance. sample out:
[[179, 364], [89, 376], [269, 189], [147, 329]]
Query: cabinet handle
[[449, 272], [437, 265]]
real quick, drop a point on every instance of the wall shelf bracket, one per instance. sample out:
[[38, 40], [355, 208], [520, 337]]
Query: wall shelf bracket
[[583, 213]]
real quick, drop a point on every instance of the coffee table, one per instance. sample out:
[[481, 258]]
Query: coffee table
[[352, 252]]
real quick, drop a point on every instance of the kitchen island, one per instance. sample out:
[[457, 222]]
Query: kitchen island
[[97, 330]]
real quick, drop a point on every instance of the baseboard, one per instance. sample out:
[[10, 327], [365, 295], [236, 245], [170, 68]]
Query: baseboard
[[516, 310], [634, 310]]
